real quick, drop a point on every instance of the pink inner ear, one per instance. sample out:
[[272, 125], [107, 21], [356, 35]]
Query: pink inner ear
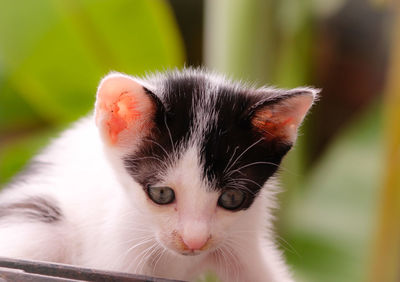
[[273, 125], [123, 112], [122, 104], [281, 121]]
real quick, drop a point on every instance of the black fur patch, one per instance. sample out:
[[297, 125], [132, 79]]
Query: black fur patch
[[233, 153], [34, 208]]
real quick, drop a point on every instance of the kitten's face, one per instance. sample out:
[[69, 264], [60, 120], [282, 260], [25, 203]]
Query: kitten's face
[[201, 149]]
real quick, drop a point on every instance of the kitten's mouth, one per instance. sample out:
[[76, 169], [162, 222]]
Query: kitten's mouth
[[191, 253]]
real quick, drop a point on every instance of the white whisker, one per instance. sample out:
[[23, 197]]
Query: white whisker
[[248, 148], [141, 256], [169, 134], [248, 165], [289, 247], [234, 152], [159, 145], [130, 249], [160, 254], [249, 180]]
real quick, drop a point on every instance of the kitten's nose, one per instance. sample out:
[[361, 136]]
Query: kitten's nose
[[195, 243], [195, 235]]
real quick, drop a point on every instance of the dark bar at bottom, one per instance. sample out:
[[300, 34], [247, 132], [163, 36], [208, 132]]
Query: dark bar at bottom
[[35, 271]]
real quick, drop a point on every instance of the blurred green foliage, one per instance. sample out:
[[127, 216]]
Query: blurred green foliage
[[331, 218], [53, 54]]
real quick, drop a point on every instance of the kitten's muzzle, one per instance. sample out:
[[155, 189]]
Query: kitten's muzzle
[[191, 245]]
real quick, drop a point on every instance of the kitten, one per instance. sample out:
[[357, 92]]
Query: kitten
[[176, 179]]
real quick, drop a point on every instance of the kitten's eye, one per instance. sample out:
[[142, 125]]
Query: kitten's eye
[[231, 199], [161, 195]]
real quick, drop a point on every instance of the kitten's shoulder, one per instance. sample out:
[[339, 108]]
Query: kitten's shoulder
[[75, 152]]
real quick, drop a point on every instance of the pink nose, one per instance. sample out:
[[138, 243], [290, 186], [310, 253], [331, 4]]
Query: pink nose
[[195, 243]]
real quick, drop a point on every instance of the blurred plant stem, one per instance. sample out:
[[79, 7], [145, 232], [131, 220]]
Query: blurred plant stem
[[386, 255], [238, 36], [263, 41]]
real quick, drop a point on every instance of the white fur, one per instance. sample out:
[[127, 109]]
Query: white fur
[[110, 224]]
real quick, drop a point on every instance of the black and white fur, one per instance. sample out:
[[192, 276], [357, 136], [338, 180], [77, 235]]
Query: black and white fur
[[86, 204]]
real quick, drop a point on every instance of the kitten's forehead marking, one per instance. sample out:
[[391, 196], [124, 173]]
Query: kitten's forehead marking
[[196, 202], [186, 169]]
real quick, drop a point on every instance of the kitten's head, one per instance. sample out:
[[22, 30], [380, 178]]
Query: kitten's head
[[200, 147]]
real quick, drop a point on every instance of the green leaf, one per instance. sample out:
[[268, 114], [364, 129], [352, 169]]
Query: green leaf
[[57, 51]]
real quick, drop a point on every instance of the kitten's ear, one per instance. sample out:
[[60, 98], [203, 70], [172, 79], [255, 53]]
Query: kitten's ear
[[124, 110], [278, 118]]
